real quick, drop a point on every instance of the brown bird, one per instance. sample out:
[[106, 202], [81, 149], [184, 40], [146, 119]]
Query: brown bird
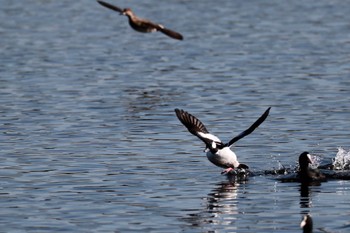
[[142, 25]]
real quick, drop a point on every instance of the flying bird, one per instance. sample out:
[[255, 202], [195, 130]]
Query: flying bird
[[142, 25], [218, 153]]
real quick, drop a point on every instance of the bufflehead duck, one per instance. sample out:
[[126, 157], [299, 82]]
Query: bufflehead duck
[[218, 153], [142, 25]]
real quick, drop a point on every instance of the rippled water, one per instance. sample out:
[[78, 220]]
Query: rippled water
[[90, 142]]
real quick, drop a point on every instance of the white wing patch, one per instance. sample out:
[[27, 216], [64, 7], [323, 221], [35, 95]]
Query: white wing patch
[[209, 136]]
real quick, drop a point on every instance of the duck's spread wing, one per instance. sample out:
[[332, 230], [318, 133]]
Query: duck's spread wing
[[191, 122], [171, 33], [110, 6], [161, 28], [248, 131], [195, 126]]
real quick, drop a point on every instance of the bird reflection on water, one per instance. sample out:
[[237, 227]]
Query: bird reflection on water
[[220, 206]]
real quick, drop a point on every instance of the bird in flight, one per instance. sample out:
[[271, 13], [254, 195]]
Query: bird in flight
[[142, 25], [218, 153]]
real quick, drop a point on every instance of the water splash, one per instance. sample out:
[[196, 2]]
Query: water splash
[[316, 161], [342, 160], [280, 169], [280, 165]]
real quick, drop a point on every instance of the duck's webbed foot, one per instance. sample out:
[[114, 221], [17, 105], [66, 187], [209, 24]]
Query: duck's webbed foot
[[227, 170]]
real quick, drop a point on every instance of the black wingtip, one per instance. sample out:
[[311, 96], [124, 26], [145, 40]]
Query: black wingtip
[[110, 6], [178, 111], [193, 124], [248, 131], [179, 114], [264, 116], [172, 34]]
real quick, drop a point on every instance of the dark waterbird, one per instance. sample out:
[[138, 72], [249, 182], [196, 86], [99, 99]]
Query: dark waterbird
[[305, 173], [142, 25], [218, 153], [306, 224]]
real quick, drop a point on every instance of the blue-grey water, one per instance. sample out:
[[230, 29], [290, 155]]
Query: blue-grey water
[[88, 136]]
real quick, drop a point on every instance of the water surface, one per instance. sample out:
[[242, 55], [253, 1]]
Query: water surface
[[90, 142]]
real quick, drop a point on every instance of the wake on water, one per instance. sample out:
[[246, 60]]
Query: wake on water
[[335, 168]]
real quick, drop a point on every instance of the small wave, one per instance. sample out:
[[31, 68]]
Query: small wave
[[335, 168]]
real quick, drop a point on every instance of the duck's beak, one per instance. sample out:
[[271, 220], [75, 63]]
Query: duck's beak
[[310, 158], [303, 222]]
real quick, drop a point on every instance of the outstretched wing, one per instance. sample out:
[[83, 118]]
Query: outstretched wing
[[195, 126], [110, 6], [248, 131], [171, 33]]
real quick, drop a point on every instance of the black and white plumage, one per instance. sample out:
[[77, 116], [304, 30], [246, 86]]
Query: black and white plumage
[[218, 153], [306, 224], [142, 25]]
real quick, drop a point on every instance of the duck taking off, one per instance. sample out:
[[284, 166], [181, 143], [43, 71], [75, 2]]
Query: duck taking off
[[218, 153]]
